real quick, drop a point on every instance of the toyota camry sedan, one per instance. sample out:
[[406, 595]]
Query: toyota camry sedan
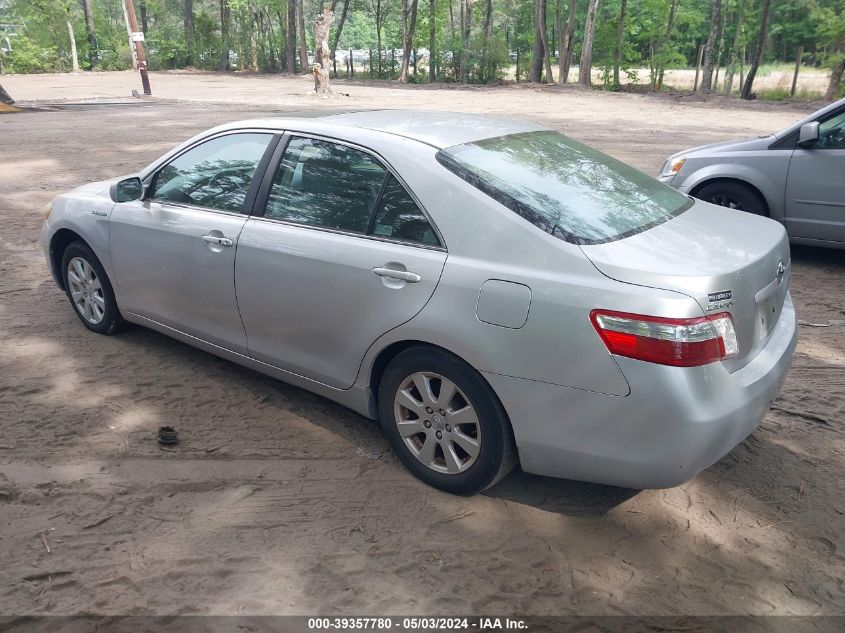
[[490, 290]]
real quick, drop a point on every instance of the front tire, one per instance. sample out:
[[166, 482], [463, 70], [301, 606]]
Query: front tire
[[89, 290], [444, 422], [733, 195]]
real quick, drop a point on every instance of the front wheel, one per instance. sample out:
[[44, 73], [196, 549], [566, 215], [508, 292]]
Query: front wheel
[[733, 195], [89, 290], [444, 421]]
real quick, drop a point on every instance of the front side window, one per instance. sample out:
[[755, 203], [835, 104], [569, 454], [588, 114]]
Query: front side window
[[832, 133], [398, 217], [563, 187], [215, 174], [325, 184]]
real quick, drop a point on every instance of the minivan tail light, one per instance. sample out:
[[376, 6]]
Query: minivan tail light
[[677, 342]]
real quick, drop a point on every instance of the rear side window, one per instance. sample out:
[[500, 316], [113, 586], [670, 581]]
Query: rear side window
[[215, 174], [325, 184], [563, 187], [398, 217]]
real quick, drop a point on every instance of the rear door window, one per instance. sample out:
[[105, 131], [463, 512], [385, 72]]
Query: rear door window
[[399, 218], [324, 184]]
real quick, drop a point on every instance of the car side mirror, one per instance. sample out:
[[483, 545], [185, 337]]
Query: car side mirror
[[808, 134], [127, 189]]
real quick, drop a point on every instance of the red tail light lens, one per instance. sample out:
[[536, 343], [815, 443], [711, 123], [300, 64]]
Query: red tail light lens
[[677, 342]]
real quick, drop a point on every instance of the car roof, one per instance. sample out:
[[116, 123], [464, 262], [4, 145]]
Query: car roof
[[438, 129]]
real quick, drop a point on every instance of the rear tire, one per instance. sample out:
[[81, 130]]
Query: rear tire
[[89, 290], [733, 195], [451, 432]]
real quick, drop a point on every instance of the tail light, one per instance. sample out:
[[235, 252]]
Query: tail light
[[676, 342]]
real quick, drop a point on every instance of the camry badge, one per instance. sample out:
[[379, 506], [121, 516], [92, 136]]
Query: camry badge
[[720, 300], [781, 272]]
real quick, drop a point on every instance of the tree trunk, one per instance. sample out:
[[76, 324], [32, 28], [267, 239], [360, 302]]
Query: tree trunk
[[379, 23], [432, 40], [758, 49], [188, 20], [290, 38], [620, 34], [93, 55], [539, 50], [254, 26], [720, 50], [566, 42], [73, 55], [710, 47], [224, 35], [340, 24], [735, 48], [585, 69], [303, 46], [670, 25], [488, 33], [836, 77], [466, 29], [559, 31], [322, 53], [547, 54], [406, 9], [409, 26], [144, 23]]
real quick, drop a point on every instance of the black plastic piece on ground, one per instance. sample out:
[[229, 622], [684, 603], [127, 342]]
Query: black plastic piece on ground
[[167, 435]]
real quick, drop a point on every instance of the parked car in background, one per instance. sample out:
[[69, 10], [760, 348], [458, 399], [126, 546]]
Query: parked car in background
[[796, 176], [487, 288]]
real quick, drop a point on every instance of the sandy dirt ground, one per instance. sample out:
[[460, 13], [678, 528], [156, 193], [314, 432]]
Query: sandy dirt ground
[[279, 502]]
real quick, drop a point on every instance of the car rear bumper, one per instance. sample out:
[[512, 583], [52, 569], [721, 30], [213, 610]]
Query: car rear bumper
[[675, 422]]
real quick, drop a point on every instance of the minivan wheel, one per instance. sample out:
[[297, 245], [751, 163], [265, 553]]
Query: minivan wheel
[[733, 195], [88, 288], [444, 421]]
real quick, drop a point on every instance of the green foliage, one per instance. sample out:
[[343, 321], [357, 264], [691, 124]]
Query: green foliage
[[28, 56], [257, 30], [166, 48]]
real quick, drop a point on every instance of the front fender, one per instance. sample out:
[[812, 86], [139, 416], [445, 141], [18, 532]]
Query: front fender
[[88, 217], [769, 183]]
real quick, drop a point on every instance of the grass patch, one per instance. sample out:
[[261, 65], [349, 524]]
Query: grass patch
[[783, 94]]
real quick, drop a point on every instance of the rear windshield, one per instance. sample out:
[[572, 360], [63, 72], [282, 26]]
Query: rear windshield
[[563, 187]]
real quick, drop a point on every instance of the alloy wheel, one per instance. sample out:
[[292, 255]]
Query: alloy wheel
[[86, 292], [437, 423]]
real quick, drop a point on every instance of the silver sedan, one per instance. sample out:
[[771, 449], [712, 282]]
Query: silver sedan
[[796, 176], [490, 290]]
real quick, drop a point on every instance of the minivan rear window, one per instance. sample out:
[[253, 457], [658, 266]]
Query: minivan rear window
[[563, 187]]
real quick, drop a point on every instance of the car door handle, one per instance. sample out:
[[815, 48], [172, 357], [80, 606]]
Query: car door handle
[[216, 239], [404, 275]]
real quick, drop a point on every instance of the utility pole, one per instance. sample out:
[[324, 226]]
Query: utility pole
[[138, 43]]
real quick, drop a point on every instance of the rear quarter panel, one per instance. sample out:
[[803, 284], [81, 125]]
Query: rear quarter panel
[[557, 344]]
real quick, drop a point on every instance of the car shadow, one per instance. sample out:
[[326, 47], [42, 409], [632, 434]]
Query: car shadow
[[563, 496], [818, 255]]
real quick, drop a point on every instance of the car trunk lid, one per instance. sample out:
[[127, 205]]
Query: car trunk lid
[[728, 261]]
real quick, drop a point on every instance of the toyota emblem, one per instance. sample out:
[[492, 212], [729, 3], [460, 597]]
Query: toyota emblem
[[781, 271]]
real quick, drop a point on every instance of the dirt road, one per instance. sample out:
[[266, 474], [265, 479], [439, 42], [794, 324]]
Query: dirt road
[[277, 501]]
